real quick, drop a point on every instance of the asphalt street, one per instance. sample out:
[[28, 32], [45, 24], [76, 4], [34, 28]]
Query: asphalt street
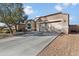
[[25, 45]]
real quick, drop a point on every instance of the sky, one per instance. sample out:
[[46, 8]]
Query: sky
[[34, 10]]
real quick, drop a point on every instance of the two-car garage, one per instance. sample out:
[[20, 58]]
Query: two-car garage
[[58, 22]]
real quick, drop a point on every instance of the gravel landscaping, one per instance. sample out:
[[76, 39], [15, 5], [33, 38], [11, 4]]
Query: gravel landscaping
[[64, 45]]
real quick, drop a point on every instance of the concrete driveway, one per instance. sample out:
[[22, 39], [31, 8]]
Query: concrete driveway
[[25, 45]]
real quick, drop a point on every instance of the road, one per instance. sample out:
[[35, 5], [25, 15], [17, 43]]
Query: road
[[25, 45]]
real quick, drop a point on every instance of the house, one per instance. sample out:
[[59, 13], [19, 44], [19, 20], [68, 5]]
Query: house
[[30, 25], [74, 28], [58, 22], [21, 27], [5, 29]]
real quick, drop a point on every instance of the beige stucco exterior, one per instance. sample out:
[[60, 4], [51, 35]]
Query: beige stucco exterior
[[58, 22], [20, 27], [32, 25]]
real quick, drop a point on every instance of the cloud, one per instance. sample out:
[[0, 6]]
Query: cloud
[[37, 16], [61, 7], [28, 10], [58, 7], [67, 4]]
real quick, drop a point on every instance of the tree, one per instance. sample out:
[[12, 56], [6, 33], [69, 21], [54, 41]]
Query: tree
[[25, 17], [11, 16]]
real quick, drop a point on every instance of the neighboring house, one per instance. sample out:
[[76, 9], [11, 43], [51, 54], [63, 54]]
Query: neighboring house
[[5, 29], [74, 28], [30, 25], [21, 27], [58, 22], [2, 26]]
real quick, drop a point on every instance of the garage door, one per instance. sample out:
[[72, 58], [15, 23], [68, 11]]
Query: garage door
[[50, 27]]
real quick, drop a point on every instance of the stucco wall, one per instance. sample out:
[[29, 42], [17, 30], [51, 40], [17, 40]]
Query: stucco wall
[[62, 26]]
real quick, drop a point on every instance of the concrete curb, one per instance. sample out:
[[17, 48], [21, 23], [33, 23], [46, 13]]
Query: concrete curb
[[48, 44]]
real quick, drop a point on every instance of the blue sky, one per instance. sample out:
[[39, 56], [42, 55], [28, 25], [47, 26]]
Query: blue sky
[[41, 9]]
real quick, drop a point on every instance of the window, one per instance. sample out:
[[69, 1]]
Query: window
[[29, 26]]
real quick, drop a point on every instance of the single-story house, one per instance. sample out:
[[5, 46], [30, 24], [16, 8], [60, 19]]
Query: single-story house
[[5, 29], [21, 27], [30, 25], [58, 22], [74, 28]]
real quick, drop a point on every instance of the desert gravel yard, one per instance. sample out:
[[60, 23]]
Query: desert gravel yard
[[64, 45]]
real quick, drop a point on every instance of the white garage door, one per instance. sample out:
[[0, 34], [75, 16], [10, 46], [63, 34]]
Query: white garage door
[[51, 27]]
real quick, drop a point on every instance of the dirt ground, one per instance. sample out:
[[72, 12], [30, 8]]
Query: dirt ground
[[4, 35], [64, 45]]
